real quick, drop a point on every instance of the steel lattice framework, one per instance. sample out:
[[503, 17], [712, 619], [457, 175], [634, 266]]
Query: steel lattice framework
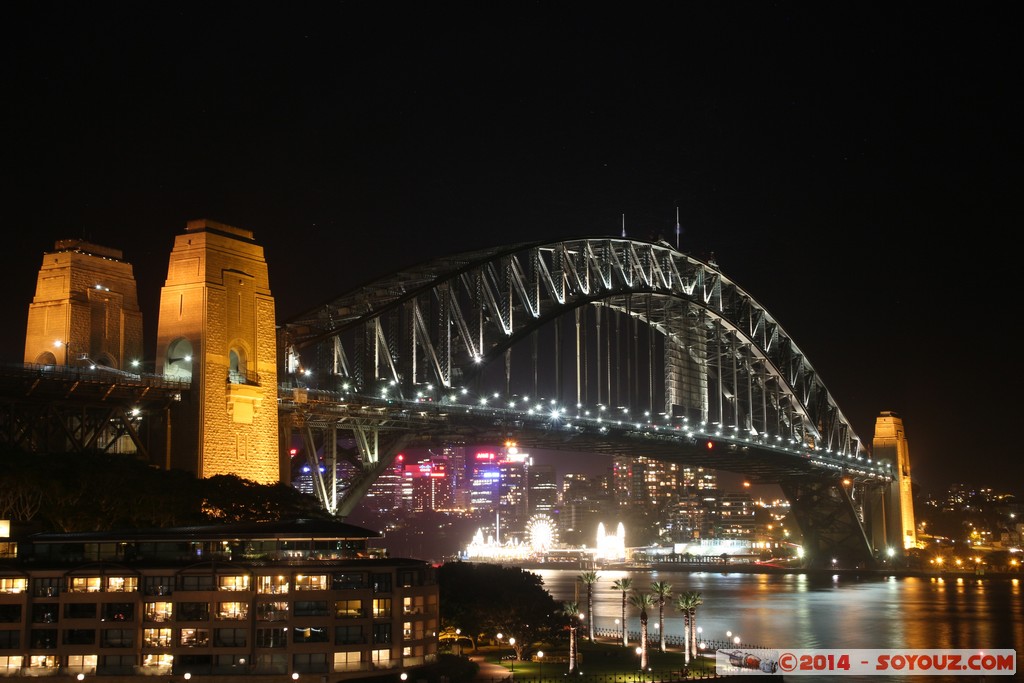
[[726, 359], [622, 325]]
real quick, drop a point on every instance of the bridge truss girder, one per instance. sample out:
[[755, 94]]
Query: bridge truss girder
[[47, 409], [323, 425], [621, 325], [688, 339]]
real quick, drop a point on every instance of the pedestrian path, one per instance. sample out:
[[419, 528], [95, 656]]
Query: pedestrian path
[[490, 670]]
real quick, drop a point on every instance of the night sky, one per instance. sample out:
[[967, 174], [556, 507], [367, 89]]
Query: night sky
[[850, 165]]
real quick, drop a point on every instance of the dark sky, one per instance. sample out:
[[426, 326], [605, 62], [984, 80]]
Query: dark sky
[[851, 165]]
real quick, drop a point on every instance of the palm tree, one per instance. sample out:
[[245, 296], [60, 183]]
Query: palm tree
[[687, 604], [625, 585], [695, 601], [589, 579], [662, 591], [572, 610], [683, 605], [642, 601]]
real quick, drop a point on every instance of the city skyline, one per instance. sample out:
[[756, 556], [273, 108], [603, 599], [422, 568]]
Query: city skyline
[[852, 173]]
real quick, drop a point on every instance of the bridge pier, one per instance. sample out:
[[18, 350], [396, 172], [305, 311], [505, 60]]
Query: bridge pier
[[831, 528]]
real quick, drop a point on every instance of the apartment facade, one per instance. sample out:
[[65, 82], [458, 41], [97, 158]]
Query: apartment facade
[[303, 598]]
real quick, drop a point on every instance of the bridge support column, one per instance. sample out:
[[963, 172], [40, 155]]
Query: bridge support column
[[896, 516], [217, 331], [829, 523], [376, 456]]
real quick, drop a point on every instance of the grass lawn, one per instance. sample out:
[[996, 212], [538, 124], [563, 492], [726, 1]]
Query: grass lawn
[[612, 663]]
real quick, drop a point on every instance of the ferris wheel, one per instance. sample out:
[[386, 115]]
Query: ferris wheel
[[541, 533]]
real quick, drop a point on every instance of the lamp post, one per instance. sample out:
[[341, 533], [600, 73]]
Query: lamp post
[[512, 644], [67, 350], [540, 662], [458, 639], [499, 637], [640, 659]]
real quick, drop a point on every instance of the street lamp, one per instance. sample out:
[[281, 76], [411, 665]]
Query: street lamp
[[512, 644], [640, 657], [499, 637], [67, 350], [540, 661], [458, 639]]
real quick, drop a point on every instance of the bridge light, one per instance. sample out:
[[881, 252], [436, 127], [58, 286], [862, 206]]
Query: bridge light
[[293, 452], [710, 445]]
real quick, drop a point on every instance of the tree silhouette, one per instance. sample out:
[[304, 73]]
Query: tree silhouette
[[625, 585], [572, 611], [589, 579], [485, 599], [687, 604], [642, 601], [661, 591], [95, 491]]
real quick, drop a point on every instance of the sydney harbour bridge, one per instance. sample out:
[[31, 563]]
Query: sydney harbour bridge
[[599, 345]]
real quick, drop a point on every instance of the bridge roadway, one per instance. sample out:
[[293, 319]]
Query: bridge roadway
[[762, 460], [58, 409], [128, 396], [51, 409], [831, 495]]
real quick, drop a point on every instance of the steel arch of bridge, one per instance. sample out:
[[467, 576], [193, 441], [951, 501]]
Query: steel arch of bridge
[[694, 347]]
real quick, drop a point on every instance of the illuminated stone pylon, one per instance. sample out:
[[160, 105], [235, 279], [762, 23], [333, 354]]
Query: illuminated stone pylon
[[85, 310], [890, 443], [217, 330]]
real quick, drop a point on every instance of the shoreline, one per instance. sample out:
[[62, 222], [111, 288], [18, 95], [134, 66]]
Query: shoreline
[[719, 568]]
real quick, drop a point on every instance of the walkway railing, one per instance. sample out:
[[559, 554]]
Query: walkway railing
[[646, 677], [673, 641]]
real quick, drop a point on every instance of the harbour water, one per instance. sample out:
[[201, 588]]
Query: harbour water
[[822, 611]]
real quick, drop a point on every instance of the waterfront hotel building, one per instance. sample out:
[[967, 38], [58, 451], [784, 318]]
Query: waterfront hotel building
[[301, 599]]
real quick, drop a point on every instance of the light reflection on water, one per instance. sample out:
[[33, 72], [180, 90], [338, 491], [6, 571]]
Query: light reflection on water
[[801, 611]]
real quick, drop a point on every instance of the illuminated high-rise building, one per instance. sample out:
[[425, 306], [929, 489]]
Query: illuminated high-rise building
[[485, 482], [734, 516], [386, 492], [646, 482], [542, 488], [429, 485]]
